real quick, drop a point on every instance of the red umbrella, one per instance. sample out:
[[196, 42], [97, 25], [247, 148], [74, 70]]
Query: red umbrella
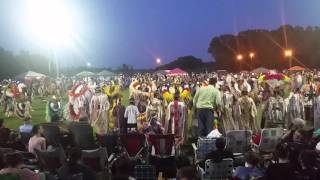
[[296, 68]]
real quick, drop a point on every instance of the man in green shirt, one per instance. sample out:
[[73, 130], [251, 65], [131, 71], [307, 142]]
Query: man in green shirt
[[207, 99]]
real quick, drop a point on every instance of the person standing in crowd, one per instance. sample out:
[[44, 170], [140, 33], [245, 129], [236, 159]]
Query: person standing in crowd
[[131, 113], [14, 165], [176, 120], [316, 106], [207, 99], [228, 110], [295, 107], [118, 114], [246, 112], [37, 141], [274, 111]]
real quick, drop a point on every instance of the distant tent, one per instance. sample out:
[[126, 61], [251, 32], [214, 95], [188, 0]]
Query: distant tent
[[177, 72], [296, 68], [30, 75], [106, 73], [85, 74], [260, 70], [163, 72]]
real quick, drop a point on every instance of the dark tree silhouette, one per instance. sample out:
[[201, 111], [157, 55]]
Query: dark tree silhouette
[[268, 47]]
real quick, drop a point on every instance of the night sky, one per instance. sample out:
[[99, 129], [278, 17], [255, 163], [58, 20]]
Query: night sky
[[112, 32]]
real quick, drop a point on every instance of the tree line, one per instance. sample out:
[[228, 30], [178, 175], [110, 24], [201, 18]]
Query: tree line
[[268, 47]]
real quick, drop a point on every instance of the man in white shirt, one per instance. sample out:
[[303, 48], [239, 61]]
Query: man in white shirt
[[131, 114]]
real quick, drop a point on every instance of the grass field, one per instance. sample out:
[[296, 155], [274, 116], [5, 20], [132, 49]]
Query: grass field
[[39, 111]]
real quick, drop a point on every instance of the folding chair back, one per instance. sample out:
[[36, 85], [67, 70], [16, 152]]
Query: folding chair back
[[51, 160], [239, 141], [145, 172], [83, 135], [110, 142], [269, 139], [95, 159], [133, 143], [221, 170], [162, 144], [205, 146], [52, 134]]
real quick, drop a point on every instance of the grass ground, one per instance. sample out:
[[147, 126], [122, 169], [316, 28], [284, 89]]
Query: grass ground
[[39, 111]]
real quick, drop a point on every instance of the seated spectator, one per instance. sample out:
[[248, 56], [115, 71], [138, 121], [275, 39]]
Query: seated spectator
[[122, 169], [27, 126], [301, 140], [4, 134], [308, 164], [295, 125], [14, 165], [182, 161], [188, 173], [37, 141], [73, 167], [219, 154], [251, 169], [282, 169]]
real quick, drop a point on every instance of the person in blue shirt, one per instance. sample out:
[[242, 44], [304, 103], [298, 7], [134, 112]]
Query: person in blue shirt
[[251, 169], [27, 126]]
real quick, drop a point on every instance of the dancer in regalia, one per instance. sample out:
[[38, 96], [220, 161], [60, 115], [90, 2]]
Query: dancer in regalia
[[316, 106], [54, 110], [274, 111], [295, 107], [228, 107], [246, 112], [99, 106], [176, 122]]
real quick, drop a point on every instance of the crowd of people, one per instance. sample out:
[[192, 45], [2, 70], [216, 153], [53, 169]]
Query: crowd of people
[[189, 107]]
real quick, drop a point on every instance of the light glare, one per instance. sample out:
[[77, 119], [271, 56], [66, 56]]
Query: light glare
[[50, 22]]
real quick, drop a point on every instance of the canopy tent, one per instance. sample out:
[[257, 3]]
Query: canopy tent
[[106, 73], [30, 75], [296, 68], [177, 72], [163, 72], [85, 74], [260, 70]]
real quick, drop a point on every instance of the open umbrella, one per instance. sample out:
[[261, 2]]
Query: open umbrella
[[106, 73], [274, 79], [296, 68], [85, 74], [260, 70]]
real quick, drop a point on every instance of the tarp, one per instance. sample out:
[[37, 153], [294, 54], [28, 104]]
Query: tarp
[[85, 74], [30, 75], [296, 68], [260, 70], [106, 73], [177, 72]]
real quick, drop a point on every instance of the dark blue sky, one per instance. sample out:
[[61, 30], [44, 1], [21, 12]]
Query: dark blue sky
[[112, 32]]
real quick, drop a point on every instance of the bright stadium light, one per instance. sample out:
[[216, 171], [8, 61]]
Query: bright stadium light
[[49, 22], [158, 61]]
